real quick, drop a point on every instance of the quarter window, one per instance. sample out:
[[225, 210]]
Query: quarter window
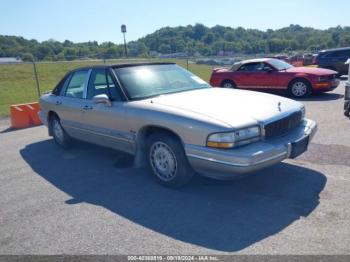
[[76, 84]]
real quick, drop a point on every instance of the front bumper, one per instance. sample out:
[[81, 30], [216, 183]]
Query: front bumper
[[225, 164], [326, 86]]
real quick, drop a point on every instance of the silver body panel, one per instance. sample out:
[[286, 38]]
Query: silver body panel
[[192, 116]]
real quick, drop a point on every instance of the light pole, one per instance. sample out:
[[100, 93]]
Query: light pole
[[123, 29]]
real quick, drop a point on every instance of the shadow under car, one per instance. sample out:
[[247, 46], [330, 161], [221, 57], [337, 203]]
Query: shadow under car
[[220, 215]]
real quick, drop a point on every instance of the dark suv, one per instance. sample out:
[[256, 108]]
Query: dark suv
[[334, 59]]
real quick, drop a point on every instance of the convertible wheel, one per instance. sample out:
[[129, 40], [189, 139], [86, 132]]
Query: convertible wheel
[[167, 160], [60, 136], [228, 84], [300, 88]]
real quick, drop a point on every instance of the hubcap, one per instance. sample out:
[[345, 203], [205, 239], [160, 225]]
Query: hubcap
[[228, 85], [58, 131], [163, 161], [299, 89]]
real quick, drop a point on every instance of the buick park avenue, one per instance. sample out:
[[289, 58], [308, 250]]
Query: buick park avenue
[[174, 122]]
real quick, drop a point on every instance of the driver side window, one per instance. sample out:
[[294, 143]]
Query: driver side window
[[250, 67], [101, 82], [265, 67], [255, 67]]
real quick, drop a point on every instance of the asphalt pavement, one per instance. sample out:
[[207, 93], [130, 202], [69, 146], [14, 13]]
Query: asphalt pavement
[[90, 200]]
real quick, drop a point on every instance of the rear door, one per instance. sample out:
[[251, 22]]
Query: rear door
[[103, 124], [69, 102]]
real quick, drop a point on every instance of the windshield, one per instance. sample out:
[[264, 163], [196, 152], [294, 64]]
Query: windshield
[[147, 81], [279, 64]]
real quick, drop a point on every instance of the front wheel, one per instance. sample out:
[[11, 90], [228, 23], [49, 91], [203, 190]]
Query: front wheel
[[167, 160], [300, 88]]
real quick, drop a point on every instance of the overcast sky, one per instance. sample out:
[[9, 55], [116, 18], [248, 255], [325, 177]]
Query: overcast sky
[[100, 20]]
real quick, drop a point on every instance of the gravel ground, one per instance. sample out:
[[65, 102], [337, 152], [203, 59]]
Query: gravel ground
[[89, 200]]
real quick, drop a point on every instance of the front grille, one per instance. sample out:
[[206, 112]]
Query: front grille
[[283, 125]]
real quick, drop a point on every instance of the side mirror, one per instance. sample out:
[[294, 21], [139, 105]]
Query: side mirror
[[102, 99]]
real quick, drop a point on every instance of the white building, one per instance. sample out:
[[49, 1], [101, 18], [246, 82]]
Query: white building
[[7, 60]]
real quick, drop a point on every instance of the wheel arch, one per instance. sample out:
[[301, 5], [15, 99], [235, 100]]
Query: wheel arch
[[304, 78], [141, 141]]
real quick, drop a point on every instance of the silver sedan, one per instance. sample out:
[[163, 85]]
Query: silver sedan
[[174, 122]]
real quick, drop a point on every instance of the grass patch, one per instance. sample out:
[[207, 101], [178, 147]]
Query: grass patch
[[17, 81]]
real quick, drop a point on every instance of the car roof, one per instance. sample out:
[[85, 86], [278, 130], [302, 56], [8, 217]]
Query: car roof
[[255, 60], [335, 49], [121, 65]]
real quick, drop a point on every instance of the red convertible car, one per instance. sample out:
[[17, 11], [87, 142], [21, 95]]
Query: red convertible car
[[272, 74]]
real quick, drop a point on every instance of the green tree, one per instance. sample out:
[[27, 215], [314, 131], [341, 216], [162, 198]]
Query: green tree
[[229, 36], [165, 49], [27, 57], [199, 31], [208, 38], [70, 53]]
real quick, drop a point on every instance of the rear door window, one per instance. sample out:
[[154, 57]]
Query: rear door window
[[75, 87]]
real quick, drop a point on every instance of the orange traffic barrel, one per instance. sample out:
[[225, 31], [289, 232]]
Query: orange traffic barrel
[[25, 115]]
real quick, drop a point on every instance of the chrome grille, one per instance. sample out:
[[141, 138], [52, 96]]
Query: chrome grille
[[283, 125]]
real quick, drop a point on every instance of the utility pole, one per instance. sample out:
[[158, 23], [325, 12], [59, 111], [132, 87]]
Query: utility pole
[[123, 29]]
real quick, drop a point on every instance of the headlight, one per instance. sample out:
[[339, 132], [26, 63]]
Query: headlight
[[235, 138]]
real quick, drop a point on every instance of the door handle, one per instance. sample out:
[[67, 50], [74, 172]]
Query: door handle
[[58, 103], [86, 107]]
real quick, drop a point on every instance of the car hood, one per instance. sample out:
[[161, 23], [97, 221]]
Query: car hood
[[236, 108], [311, 70]]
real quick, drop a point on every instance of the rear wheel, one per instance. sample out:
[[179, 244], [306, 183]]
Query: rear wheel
[[300, 88], [59, 134], [228, 84], [167, 160]]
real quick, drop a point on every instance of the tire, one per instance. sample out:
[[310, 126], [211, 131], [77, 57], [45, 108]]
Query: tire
[[228, 84], [59, 134], [300, 88], [167, 160]]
